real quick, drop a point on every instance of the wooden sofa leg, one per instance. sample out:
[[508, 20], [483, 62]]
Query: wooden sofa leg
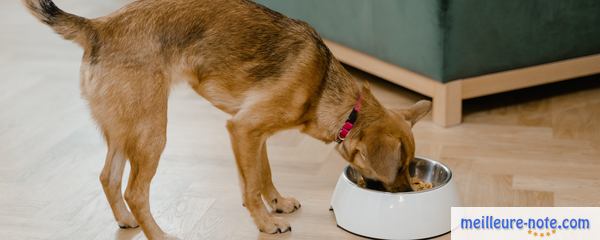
[[447, 104]]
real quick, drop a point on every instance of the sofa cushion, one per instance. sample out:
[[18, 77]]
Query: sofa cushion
[[491, 36]]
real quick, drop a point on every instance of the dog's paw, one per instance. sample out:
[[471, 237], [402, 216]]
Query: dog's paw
[[274, 225], [128, 223], [284, 205]]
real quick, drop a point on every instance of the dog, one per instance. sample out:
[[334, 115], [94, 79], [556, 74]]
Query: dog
[[267, 71]]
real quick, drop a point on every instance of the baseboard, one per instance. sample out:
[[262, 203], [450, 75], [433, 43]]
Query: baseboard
[[530, 76]]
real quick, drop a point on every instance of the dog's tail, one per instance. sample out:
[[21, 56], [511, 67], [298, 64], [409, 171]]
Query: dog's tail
[[71, 27]]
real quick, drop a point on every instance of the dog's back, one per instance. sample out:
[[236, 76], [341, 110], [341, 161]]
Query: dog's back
[[219, 45], [242, 29]]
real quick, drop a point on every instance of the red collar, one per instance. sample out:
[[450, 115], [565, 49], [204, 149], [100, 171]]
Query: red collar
[[349, 124]]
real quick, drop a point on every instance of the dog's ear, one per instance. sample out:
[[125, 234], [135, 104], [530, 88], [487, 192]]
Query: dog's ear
[[382, 154], [415, 112]]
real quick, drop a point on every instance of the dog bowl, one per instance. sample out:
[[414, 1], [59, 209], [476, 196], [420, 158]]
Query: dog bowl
[[403, 215]]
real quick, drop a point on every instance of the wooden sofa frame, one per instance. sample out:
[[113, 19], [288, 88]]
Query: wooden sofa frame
[[447, 97]]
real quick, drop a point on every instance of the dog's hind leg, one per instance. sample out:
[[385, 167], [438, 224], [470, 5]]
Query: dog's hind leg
[[146, 141], [131, 108], [111, 178], [277, 202]]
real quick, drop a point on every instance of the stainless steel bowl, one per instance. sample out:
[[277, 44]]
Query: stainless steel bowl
[[424, 169]]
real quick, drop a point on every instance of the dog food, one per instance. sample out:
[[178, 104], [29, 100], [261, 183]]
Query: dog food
[[416, 184], [420, 185]]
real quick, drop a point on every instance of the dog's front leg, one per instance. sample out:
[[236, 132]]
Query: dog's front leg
[[277, 202], [247, 143]]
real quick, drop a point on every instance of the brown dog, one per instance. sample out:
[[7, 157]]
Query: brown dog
[[266, 70]]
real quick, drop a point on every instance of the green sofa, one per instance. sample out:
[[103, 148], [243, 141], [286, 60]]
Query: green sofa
[[450, 40]]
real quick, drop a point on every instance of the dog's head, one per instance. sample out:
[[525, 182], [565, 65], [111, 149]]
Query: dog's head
[[383, 148]]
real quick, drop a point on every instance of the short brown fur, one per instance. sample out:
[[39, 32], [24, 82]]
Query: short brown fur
[[269, 72]]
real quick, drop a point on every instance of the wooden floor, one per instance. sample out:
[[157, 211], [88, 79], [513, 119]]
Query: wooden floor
[[536, 147]]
